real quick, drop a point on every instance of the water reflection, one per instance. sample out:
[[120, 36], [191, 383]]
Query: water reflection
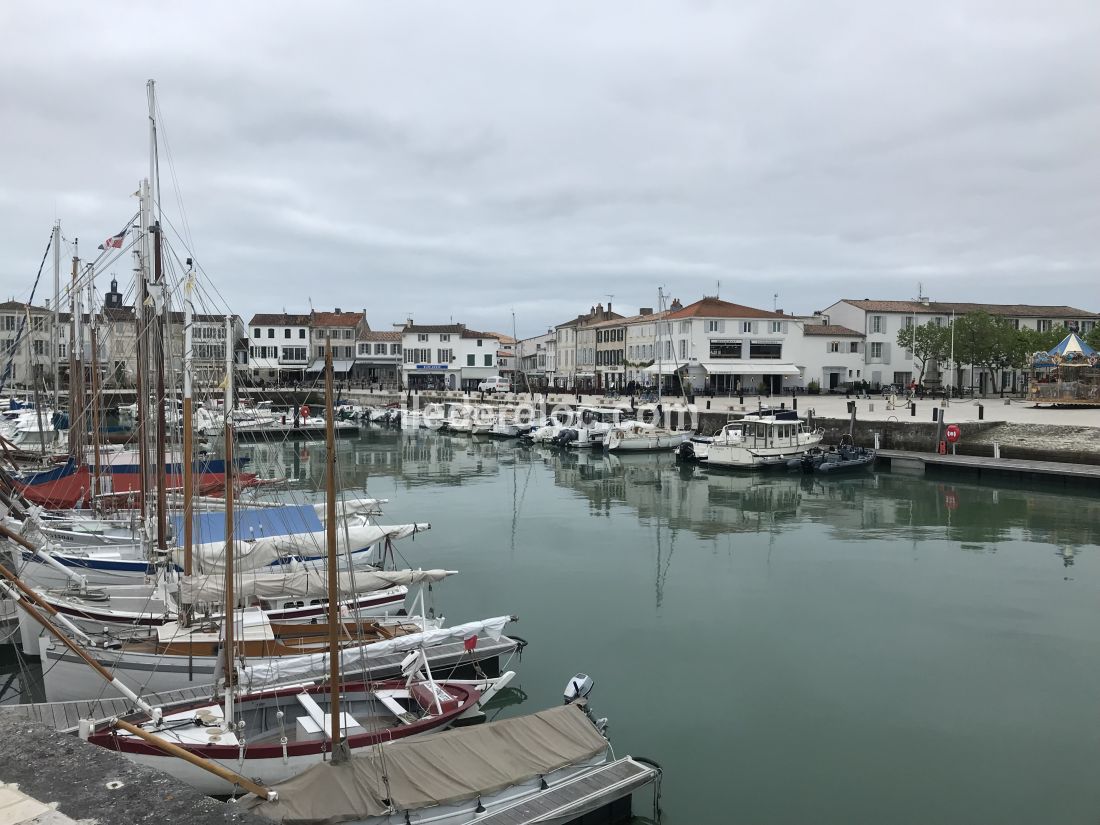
[[709, 503]]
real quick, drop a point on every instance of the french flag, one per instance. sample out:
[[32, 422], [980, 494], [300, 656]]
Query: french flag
[[115, 241]]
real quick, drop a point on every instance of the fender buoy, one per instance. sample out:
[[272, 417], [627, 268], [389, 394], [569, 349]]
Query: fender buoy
[[304, 411]]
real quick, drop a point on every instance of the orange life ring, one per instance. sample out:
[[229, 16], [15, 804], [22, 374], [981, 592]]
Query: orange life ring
[[304, 411]]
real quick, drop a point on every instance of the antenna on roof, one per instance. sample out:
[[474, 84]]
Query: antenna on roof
[[775, 301], [717, 289]]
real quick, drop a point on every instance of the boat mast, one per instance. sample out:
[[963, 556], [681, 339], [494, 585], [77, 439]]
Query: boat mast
[[55, 331], [30, 377], [339, 752], [94, 385], [140, 258], [187, 458], [160, 309], [74, 374], [230, 600]]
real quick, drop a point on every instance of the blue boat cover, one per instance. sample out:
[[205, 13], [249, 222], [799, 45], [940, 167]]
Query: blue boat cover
[[259, 521]]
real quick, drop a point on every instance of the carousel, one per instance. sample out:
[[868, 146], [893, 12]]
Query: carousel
[[1067, 374]]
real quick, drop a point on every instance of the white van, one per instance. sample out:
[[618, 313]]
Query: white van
[[494, 384]]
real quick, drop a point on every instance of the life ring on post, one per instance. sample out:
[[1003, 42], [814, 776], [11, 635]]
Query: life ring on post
[[304, 411]]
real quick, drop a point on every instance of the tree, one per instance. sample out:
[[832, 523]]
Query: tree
[[927, 342], [993, 344], [1093, 338]]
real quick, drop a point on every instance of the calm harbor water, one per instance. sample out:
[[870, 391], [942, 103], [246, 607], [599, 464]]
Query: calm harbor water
[[879, 648]]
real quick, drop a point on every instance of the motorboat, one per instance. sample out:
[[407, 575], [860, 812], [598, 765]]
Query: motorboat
[[844, 458], [697, 447], [765, 439]]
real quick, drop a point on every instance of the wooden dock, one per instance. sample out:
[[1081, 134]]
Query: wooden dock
[[65, 716], [574, 798], [993, 468]]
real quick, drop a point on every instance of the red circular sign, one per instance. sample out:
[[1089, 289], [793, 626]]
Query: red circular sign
[[952, 433]]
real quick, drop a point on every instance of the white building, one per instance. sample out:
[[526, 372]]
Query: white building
[[378, 358], [535, 355], [447, 356], [880, 321], [278, 346], [829, 354], [727, 348]]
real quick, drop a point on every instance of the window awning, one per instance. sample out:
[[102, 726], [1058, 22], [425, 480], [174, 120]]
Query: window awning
[[665, 369], [750, 368], [318, 365]]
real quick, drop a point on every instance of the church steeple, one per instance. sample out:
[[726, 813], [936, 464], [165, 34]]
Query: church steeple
[[113, 299]]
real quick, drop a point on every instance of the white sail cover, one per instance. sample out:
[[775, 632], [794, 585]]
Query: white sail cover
[[288, 668], [302, 584], [437, 769], [257, 553]]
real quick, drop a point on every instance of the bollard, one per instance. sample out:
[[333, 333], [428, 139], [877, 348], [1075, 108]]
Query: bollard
[[981, 412], [782, 405], [708, 403], [741, 399], [871, 407], [996, 450], [851, 407], [913, 410], [794, 403], [876, 441], [935, 414]]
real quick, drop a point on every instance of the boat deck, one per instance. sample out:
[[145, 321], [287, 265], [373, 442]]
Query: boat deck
[[577, 796]]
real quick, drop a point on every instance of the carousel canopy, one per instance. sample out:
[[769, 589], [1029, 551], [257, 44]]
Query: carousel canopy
[[1072, 345]]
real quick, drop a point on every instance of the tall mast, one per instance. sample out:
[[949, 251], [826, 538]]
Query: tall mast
[[140, 356], [94, 385], [30, 378], [334, 625], [74, 381], [55, 330], [230, 599], [161, 398], [187, 458]]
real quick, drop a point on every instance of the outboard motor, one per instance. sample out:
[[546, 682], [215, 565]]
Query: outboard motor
[[686, 451], [578, 688]]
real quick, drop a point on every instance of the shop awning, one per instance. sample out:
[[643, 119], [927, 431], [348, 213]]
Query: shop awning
[[750, 368], [318, 365], [665, 369]]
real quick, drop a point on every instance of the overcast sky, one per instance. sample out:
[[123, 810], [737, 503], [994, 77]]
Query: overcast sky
[[464, 159]]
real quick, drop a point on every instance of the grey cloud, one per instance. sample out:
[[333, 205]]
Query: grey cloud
[[462, 160]]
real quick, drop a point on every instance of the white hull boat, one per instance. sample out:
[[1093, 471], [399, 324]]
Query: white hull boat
[[762, 440], [635, 437]]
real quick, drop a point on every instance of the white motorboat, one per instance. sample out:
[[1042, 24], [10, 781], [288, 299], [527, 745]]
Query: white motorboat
[[697, 448], [764, 439]]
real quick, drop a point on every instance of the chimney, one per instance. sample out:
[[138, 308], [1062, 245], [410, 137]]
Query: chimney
[[609, 308], [645, 310], [47, 303], [676, 304], [338, 310]]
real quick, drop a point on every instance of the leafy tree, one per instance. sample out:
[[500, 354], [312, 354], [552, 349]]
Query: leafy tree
[[1093, 338], [927, 342], [990, 343]]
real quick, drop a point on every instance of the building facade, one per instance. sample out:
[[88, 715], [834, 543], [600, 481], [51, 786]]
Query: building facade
[[881, 321], [278, 347], [378, 358], [446, 357], [343, 330]]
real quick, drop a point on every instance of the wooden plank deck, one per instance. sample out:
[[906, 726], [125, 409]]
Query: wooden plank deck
[[577, 796], [65, 716], [986, 464]]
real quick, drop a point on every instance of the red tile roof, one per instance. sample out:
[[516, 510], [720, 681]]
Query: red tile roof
[[830, 329], [717, 308], [336, 319], [278, 319], [947, 307], [379, 335]]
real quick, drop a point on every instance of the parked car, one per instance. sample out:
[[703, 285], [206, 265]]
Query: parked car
[[494, 384]]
